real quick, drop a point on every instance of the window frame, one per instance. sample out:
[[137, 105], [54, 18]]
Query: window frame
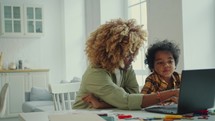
[[142, 71]]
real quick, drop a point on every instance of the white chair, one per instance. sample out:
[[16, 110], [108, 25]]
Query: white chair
[[64, 95], [3, 97]]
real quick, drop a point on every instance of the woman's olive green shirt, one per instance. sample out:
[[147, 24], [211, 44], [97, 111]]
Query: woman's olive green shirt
[[102, 84]]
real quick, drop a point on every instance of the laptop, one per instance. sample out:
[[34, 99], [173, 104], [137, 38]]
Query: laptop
[[197, 92]]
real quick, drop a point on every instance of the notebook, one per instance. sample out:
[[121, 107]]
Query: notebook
[[197, 92], [75, 117]]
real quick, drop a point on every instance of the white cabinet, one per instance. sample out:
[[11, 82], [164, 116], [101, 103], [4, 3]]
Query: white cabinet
[[34, 20], [17, 83], [21, 81], [21, 20], [11, 20]]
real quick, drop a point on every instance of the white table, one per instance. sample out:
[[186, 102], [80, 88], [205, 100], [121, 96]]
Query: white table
[[43, 116]]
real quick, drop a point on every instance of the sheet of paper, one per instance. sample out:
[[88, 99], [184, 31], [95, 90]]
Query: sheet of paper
[[75, 117]]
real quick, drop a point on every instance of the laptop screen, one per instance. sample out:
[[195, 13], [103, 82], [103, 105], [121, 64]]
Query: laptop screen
[[197, 91]]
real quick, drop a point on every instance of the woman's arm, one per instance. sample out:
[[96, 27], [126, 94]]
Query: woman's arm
[[95, 102], [152, 99], [148, 99]]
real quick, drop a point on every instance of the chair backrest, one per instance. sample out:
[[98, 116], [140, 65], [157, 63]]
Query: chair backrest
[[64, 94], [3, 97]]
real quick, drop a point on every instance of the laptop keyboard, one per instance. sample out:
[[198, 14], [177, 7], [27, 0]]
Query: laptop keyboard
[[167, 109]]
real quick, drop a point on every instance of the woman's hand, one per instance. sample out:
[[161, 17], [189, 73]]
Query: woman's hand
[[173, 98], [176, 96], [93, 101], [96, 103], [176, 92]]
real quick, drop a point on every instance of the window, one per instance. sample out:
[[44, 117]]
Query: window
[[137, 9]]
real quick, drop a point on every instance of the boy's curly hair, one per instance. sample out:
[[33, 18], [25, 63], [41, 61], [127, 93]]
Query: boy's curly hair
[[107, 46]]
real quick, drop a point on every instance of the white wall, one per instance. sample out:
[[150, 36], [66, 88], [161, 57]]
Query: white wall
[[92, 15], [198, 33], [191, 26], [100, 11], [112, 9], [165, 22], [45, 52], [75, 36]]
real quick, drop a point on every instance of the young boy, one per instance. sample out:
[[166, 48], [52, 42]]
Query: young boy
[[162, 59]]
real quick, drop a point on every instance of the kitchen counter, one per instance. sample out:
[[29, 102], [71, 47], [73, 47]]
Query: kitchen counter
[[21, 81], [24, 70]]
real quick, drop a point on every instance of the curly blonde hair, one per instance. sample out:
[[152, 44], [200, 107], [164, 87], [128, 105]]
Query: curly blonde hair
[[113, 41]]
